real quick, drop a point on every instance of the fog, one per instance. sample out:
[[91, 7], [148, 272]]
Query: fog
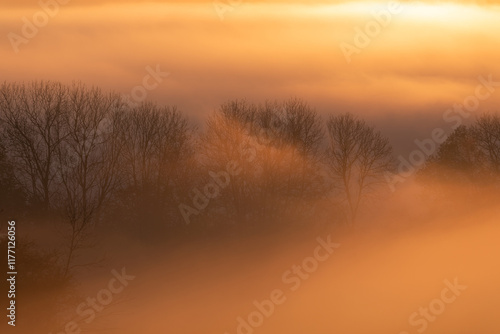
[[372, 283], [270, 218], [249, 167], [394, 264]]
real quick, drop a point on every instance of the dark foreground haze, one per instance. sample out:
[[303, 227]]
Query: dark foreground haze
[[377, 280]]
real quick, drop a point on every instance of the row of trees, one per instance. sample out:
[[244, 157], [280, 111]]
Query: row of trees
[[74, 149], [67, 151], [294, 166], [86, 158]]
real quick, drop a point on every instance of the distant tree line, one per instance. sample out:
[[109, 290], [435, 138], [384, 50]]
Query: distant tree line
[[88, 162], [84, 158], [467, 165]]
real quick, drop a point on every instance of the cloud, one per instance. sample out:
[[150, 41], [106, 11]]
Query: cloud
[[418, 64]]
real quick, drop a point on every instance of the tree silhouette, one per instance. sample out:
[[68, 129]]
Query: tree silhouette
[[87, 159], [11, 196], [357, 157], [486, 132], [32, 122], [276, 146], [469, 160], [155, 166], [78, 150]]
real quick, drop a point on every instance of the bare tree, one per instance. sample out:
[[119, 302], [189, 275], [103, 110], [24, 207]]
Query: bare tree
[[459, 160], [156, 140], [155, 165], [468, 160], [486, 132], [357, 156], [225, 143], [31, 117], [11, 195], [295, 135], [276, 147], [63, 144], [87, 160]]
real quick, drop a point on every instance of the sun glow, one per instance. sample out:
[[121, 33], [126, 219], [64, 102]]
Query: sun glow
[[443, 12], [414, 11]]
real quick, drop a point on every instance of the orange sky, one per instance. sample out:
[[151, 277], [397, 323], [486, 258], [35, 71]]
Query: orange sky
[[427, 58]]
